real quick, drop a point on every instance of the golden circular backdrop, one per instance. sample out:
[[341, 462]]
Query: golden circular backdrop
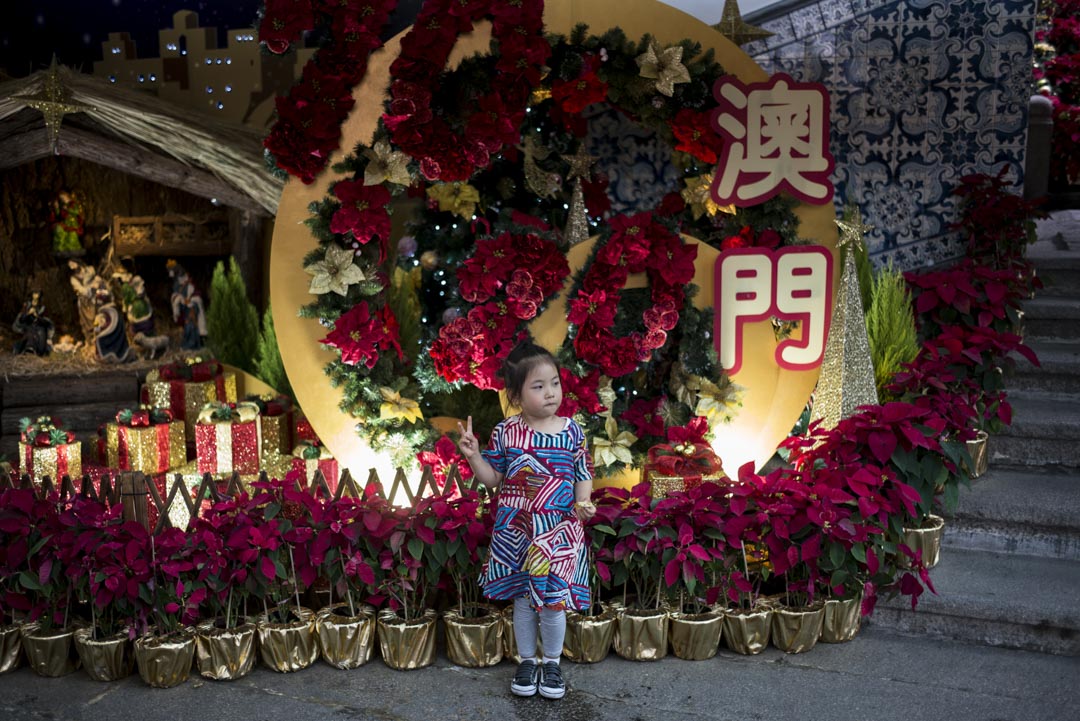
[[773, 397]]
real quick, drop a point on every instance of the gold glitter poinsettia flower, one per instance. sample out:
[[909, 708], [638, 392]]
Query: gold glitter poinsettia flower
[[386, 164], [396, 406], [698, 195], [716, 401], [616, 447], [457, 198], [335, 272], [666, 68]]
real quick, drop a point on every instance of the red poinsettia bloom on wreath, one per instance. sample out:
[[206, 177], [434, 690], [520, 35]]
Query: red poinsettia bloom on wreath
[[362, 212], [695, 135], [644, 415], [575, 95], [283, 22], [580, 393], [592, 306], [673, 260], [359, 335]]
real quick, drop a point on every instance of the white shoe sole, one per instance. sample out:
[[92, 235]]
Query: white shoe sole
[[523, 690], [552, 694]]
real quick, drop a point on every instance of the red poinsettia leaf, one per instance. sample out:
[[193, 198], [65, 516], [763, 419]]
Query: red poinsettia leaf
[[268, 569], [672, 571], [882, 445]]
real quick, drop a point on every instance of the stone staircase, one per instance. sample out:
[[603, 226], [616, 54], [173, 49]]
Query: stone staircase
[[1009, 573]]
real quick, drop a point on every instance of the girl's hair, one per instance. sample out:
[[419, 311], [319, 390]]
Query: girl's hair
[[517, 366]]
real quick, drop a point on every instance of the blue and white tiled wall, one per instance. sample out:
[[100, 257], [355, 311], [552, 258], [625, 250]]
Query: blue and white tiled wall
[[923, 92]]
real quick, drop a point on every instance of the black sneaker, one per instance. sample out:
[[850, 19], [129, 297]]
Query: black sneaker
[[524, 683], [551, 681]]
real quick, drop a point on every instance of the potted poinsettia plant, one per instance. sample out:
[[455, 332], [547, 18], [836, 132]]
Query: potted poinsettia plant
[[590, 631], [111, 567], [273, 525], [348, 535], [641, 629], [407, 624], [44, 580], [456, 530], [691, 559], [226, 639], [15, 531], [164, 652]]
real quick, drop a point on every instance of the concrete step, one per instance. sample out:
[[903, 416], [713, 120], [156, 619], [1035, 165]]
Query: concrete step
[[1052, 317], [1058, 369], [1045, 431], [1062, 279], [1019, 510], [995, 599]]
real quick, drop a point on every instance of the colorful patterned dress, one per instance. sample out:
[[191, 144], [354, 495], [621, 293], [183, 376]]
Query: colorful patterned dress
[[538, 545]]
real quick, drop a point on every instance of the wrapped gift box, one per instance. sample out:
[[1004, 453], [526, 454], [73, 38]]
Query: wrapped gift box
[[149, 449], [277, 423], [54, 461], [167, 387], [681, 467], [303, 431], [227, 446], [309, 457]]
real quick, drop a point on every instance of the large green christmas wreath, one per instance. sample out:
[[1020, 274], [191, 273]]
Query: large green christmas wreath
[[499, 185]]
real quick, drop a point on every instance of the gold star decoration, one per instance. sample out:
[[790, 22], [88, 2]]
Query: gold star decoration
[[852, 227], [580, 164], [54, 102], [732, 27], [665, 68]]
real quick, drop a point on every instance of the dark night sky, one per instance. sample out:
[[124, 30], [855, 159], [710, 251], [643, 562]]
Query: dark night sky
[[32, 30]]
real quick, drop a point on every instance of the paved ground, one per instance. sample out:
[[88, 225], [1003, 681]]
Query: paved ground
[[877, 677]]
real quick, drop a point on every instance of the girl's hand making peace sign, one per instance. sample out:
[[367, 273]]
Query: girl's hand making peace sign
[[467, 443]]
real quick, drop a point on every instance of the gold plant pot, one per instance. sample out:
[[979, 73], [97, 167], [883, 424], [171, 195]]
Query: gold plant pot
[[696, 636], [474, 642], [926, 538], [105, 659], [747, 632], [641, 634], [795, 630], [843, 617], [10, 647], [980, 454], [165, 661], [407, 645], [224, 654], [289, 646], [345, 641], [50, 653], [588, 638]]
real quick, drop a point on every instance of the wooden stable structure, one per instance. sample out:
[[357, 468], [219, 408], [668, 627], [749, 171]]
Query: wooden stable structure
[[181, 183]]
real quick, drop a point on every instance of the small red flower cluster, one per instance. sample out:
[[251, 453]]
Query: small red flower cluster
[[359, 335], [308, 128], [507, 278], [637, 243], [413, 120]]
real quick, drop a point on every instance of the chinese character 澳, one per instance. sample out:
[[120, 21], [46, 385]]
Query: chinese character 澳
[[776, 138]]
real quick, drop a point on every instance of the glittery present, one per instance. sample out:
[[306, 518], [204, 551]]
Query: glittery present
[[186, 398], [304, 431], [329, 466], [228, 446], [152, 449], [55, 462], [277, 433]]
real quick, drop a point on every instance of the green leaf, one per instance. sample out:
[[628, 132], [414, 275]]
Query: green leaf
[[839, 577], [416, 548], [439, 552], [858, 550], [836, 555], [272, 509], [27, 581]]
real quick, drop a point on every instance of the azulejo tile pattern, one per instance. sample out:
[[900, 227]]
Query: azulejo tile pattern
[[923, 93]]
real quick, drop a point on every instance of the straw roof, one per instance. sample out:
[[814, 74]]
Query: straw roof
[[143, 135]]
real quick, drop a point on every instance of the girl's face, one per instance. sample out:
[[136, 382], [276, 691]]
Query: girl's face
[[541, 395]]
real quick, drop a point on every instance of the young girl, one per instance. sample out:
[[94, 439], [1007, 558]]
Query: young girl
[[538, 553]]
